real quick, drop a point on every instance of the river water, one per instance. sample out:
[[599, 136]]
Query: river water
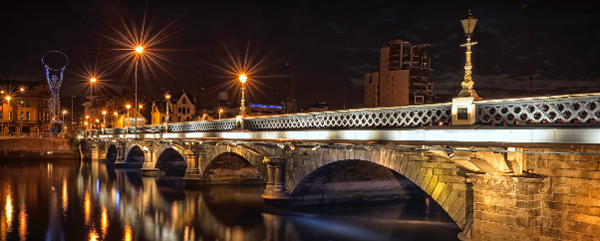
[[72, 200]]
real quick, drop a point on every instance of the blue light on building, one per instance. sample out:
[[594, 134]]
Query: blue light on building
[[267, 106]]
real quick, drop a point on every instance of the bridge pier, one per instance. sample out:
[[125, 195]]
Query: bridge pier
[[506, 207], [192, 175], [192, 162], [148, 169], [94, 153], [275, 193], [120, 153]]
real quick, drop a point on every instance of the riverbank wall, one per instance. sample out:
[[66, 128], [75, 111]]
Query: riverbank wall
[[38, 148]]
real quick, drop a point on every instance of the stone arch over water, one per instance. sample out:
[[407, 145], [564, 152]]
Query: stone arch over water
[[331, 171], [232, 159], [231, 168], [134, 154], [355, 178], [172, 162], [112, 154]]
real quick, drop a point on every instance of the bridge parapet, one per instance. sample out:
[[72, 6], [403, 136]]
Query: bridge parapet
[[564, 109], [404, 116]]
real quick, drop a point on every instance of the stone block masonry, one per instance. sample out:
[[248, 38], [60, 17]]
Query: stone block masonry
[[571, 208], [507, 207]]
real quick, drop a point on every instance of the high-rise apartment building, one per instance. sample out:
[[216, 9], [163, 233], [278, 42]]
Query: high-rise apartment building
[[405, 76]]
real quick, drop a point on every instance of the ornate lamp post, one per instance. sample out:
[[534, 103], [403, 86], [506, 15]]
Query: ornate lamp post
[[92, 81], [64, 112], [116, 118], [220, 112], [87, 117], [103, 119], [9, 117], [468, 24], [168, 102], [21, 110], [243, 79], [139, 50], [128, 106], [2, 92]]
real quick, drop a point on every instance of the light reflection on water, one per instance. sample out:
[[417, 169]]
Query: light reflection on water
[[96, 203]]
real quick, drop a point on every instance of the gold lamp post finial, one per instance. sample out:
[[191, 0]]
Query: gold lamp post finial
[[468, 23]]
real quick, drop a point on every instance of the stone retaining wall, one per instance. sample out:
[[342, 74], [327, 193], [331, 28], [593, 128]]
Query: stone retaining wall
[[37, 148]]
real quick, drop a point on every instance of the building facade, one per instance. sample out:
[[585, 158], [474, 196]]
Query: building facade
[[181, 108], [404, 77], [26, 111]]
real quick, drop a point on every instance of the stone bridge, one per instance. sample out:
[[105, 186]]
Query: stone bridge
[[514, 170]]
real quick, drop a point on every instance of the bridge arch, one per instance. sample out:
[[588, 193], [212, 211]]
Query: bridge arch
[[135, 154], [231, 168], [172, 160], [112, 153], [354, 177], [222, 163], [325, 171]]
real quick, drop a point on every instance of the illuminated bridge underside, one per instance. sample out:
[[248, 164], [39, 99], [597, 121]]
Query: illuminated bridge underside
[[584, 135]]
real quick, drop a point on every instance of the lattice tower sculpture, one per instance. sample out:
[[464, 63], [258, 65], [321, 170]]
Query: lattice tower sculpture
[[54, 76]]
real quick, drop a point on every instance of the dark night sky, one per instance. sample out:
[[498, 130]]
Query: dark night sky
[[332, 44]]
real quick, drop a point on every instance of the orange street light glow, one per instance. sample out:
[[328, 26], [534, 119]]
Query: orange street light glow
[[128, 106], [104, 112], [139, 49], [116, 114], [93, 80], [243, 78]]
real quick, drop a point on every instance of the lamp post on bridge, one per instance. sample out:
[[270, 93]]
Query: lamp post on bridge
[[139, 50], [64, 112], [239, 119], [243, 79], [116, 114], [103, 120], [128, 106], [463, 105], [92, 81], [167, 103], [9, 114], [468, 24]]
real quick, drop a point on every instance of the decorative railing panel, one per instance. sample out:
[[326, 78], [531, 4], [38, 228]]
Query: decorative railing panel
[[193, 126], [550, 110], [384, 117]]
